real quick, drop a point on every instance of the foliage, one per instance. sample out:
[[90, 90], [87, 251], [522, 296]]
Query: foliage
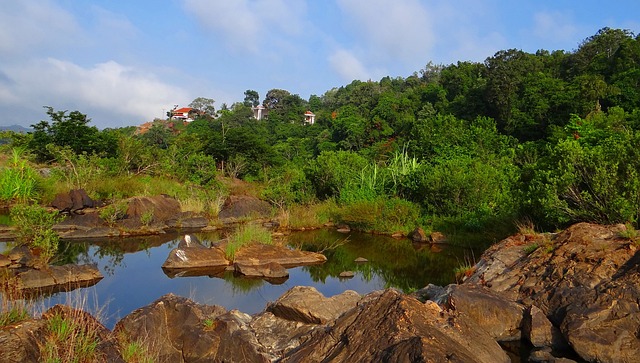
[[34, 228], [380, 215], [69, 339]]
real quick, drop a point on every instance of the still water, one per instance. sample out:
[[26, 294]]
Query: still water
[[133, 276]]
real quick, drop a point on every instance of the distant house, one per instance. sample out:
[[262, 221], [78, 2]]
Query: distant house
[[309, 118], [259, 112], [184, 113]]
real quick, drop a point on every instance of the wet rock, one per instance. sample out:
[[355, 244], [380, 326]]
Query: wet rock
[[265, 270], [585, 280], [243, 206], [308, 306], [392, 327]]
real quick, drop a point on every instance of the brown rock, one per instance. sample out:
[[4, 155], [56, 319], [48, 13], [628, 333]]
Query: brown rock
[[183, 331], [437, 237], [540, 332], [418, 235], [585, 279], [308, 306], [500, 317], [346, 274], [19, 343], [162, 207], [264, 254], [266, 270], [392, 327], [242, 206], [195, 257]]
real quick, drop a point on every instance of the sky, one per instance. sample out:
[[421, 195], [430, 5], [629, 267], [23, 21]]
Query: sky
[[124, 63]]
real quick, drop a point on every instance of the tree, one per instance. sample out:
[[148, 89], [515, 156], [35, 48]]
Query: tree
[[204, 105], [273, 98], [251, 98]]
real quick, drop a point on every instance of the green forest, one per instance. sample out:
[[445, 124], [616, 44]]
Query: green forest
[[550, 138]]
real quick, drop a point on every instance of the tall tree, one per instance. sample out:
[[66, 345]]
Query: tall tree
[[251, 98], [204, 105]]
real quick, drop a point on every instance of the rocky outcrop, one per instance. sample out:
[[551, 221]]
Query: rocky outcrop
[[585, 280], [391, 327]]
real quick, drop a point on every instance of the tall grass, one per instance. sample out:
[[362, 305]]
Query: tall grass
[[18, 181], [245, 235], [34, 228]]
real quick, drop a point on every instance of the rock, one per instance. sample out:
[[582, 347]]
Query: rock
[[266, 270], [197, 257], [360, 260], [4, 261], [437, 237], [397, 235], [279, 336], [264, 254], [346, 274], [163, 208], [585, 280], [57, 278], [19, 343], [180, 330], [540, 332], [308, 306], [435, 293], [73, 201], [418, 235], [392, 327], [242, 206], [343, 228], [498, 316], [21, 256], [187, 220]]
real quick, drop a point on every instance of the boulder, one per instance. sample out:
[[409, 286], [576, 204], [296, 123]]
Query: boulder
[[73, 201], [201, 257], [346, 274], [585, 280], [418, 235], [391, 327], [244, 206], [539, 331], [180, 330], [19, 342], [308, 306], [163, 208], [277, 335], [271, 270], [498, 316]]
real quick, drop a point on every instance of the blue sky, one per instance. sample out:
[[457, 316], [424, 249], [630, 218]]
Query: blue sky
[[126, 62]]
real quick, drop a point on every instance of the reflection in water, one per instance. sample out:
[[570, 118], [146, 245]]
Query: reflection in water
[[134, 277]]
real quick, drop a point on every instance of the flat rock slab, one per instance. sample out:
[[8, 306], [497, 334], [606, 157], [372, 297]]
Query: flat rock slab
[[258, 254], [266, 270], [57, 278], [196, 257]]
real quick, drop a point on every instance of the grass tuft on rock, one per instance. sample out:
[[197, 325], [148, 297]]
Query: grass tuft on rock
[[245, 235]]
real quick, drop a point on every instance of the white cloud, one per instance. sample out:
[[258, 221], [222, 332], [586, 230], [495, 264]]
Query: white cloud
[[26, 26], [347, 65], [108, 89], [250, 25], [554, 27], [399, 30]]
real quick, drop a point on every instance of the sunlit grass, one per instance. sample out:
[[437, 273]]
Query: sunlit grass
[[245, 235]]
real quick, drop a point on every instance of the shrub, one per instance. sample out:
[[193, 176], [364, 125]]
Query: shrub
[[34, 228]]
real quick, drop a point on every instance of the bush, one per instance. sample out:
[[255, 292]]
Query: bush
[[380, 215], [18, 182], [34, 228]]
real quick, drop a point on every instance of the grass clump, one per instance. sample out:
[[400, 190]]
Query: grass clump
[[70, 339], [630, 233], [245, 235], [136, 352], [13, 312]]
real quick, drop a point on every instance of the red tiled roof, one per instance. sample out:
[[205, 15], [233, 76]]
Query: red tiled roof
[[183, 110]]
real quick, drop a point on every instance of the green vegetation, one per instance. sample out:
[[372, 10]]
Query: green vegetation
[[34, 228], [552, 137], [245, 235], [13, 311], [69, 339], [136, 352]]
